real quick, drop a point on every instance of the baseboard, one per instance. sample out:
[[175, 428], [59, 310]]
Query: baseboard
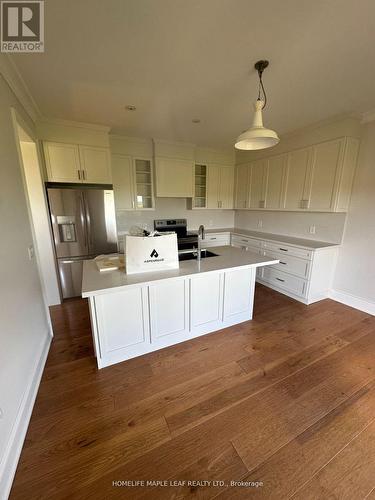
[[353, 301], [13, 450]]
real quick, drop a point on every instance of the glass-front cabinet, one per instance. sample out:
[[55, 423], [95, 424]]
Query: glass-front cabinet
[[200, 187], [144, 192]]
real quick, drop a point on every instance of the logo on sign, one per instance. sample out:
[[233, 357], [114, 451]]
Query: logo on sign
[[154, 253], [22, 26]]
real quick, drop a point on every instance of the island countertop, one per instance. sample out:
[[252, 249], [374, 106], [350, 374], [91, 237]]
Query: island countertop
[[95, 282]]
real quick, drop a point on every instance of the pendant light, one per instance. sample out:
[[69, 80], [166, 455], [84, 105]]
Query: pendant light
[[257, 136]]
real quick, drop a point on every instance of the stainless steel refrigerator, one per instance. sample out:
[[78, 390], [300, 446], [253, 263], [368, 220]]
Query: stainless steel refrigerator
[[84, 226]]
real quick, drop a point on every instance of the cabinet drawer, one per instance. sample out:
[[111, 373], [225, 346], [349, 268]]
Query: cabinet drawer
[[303, 253], [290, 264], [285, 281], [216, 239], [246, 241]]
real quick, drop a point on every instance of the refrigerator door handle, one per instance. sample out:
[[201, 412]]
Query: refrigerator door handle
[[88, 222], [84, 220]]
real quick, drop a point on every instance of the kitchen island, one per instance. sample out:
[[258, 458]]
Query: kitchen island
[[135, 314]]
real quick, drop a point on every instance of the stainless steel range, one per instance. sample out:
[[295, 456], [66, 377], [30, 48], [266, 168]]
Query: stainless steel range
[[185, 240]]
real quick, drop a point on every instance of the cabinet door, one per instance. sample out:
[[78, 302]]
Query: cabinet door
[[122, 321], [238, 294], [324, 175], [62, 162], [144, 187], [169, 311], [174, 178], [200, 187], [257, 177], [213, 180], [122, 168], [206, 301], [274, 182], [242, 186], [298, 166], [96, 165], [226, 185]]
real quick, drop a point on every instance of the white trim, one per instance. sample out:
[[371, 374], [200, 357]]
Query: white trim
[[12, 453], [348, 299], [15, 81], [70, 123]]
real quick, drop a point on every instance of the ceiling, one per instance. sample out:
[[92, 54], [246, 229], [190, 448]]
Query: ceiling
[[177, 60]]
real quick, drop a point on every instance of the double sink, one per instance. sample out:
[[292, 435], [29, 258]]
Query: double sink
[[194, 255]]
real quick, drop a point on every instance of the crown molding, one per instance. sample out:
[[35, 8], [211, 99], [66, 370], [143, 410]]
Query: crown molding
[[12, 76], [70, 123]]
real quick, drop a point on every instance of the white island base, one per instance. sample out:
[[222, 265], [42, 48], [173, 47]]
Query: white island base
[[132, 315]]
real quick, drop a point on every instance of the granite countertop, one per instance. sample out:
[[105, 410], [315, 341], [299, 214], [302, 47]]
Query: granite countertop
[[290, 240], [95, 282]]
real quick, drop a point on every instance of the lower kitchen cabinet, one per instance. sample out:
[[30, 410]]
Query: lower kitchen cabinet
[[206, 302], [122, 319], [169, 311], [143, 318]]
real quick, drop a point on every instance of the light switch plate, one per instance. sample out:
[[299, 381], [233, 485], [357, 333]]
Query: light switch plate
[[260, 223], [312, 229], [30, 250]]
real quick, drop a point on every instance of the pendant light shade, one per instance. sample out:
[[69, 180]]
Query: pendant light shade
[[257, 136]]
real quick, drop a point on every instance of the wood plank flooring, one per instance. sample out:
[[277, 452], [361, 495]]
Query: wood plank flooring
[[285, 402]]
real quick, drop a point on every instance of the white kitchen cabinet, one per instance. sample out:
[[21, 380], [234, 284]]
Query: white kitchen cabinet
[[206, 302], [62, 162], [123, 322], [132, 183], [257, 184], [220, 185], [238, 295], [95, 165], [323, 177], [77, 163], [122, 175], [169, 311], [316, 178], [242, 186], [216, 240], [174, 178], [274, 182], [296, 179], [200, 187]]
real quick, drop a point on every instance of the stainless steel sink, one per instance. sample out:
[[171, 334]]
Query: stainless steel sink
[[193, 255]]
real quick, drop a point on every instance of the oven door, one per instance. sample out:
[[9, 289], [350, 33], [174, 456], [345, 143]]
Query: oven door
[[187, 243]]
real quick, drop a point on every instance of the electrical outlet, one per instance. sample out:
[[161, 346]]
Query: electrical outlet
[[260, 223], [30, 250], [1, 413], [312, 229], [211, 223]]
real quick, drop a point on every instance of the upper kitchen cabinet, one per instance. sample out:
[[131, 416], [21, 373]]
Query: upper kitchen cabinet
[[274, 182], [296, 179], [76, 163], [174, 169], [95, 165], [200, 187], [220, 185], [242, 186], [62, 162], [132, 183], [174, 178], [257, 184]]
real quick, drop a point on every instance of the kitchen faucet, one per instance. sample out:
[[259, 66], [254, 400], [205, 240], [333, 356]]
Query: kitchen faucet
[[201, 235]]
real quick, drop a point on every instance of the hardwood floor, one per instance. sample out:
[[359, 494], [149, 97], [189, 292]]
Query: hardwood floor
[[286, 401]]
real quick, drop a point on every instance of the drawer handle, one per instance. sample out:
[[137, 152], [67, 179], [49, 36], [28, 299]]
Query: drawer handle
[[244, 241], [279, 279], [283, 249], [281, 262], [212, 238]]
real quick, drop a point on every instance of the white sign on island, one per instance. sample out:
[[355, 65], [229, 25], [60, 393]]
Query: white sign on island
[[133, 314]]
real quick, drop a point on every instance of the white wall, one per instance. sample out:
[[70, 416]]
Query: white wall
[[355, 271], [24, 327], [38, 208], [328, 227], [170, 208]]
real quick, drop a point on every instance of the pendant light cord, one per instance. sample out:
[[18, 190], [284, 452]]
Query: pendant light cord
[[261, 86]]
